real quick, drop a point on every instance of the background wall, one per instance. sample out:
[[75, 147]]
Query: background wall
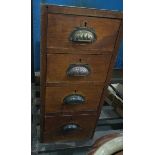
[[99, 4]]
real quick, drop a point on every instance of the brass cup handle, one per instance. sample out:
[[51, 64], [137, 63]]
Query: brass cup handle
[[71, 127], [74, 99], [83, 35], [78, 70]]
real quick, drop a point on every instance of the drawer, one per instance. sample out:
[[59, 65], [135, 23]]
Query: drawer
[[72, 98], [68, 127], [73, 67], [81, 32]]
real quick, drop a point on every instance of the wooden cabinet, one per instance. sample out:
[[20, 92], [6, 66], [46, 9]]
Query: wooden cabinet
[[73, 98], [61, 26], [59, 66], [69, 127], [78, 51]]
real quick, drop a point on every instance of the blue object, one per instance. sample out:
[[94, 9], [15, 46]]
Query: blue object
[[119, 60], [116, 5]]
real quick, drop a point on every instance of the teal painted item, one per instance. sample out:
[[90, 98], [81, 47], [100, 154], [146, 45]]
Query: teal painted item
[[115, 5]]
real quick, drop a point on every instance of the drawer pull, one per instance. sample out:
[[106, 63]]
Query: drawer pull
[[78, 70], [74, 99], [83, 34], [70, 128]]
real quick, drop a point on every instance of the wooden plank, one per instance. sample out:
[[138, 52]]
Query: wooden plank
[[82, 11], [43, 61]]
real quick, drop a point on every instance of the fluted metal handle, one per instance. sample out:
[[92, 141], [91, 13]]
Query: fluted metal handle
[[78, 70], [83, 34], [70, 128], [74, 99]]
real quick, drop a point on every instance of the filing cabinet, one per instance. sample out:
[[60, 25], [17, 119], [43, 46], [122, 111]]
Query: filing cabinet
[[78, 50]]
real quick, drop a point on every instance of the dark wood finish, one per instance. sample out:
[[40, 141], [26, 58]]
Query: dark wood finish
[[58, 33], [65, 83], [84, 12], [43, 65], [53, 127], [55, 96], [76, 51], [57, 52], [57, 65]]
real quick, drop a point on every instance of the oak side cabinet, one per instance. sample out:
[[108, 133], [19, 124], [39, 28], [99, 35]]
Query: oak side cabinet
[[78, 51]]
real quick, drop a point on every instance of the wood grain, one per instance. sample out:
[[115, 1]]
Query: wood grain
[[76, 51], [57, 65], [53, 127], [43, 65], [81, 11], [57, 53], [58, 32], [55, 96]]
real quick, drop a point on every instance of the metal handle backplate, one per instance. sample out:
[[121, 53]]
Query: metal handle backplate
[[78, 70], [83, 34], [70, 128], [74, 99]]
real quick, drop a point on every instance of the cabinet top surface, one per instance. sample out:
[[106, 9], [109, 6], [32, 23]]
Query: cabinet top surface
[[83, 11]]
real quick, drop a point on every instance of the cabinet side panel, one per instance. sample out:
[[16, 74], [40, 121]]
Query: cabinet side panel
[[43, 65], [113, 59]]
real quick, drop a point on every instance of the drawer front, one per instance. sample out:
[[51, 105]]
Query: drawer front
[[72, 98], [81, 32], [72, 67], [68, 127]]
